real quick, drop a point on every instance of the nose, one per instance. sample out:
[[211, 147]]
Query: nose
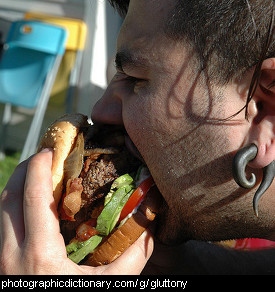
[[108, 110]]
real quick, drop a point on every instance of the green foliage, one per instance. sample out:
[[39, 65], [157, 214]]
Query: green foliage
[[7, 167]]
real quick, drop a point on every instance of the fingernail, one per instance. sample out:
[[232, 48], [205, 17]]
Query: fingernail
[[45, 150]]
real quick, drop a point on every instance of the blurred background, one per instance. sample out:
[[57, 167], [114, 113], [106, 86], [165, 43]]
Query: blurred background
[[54, 58]]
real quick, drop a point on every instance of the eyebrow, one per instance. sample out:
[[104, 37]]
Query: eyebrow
[[127, 59]]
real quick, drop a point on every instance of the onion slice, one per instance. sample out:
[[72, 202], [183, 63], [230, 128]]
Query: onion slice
[[92, 151], [74, 162]]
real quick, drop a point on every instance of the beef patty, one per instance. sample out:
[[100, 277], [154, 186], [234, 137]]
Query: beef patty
[[97, 176]]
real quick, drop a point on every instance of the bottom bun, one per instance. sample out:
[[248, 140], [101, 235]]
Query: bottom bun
[[123, 237]]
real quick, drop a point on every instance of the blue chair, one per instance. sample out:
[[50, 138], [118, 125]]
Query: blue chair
[[28, 67]]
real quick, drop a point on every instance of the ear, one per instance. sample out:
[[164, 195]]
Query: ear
[[262, 131]]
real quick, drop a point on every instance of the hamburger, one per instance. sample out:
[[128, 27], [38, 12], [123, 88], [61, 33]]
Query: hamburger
[[104, 194]]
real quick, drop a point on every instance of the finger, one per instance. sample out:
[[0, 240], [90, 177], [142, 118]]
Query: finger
[[134, 259], [11, 211], [40, 214]]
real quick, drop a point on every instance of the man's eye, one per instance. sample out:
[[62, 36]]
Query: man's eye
[[133, 79]]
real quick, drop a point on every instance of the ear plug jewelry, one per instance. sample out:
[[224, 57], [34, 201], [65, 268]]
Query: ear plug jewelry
[[240, 161]]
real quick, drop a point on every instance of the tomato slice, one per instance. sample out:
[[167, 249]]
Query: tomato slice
[[86, 230], [136, 197]]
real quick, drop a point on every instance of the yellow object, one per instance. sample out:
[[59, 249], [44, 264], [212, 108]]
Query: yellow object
[[77, 31], [76, 28]]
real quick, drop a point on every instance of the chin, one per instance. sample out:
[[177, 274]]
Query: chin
[[170, 229]]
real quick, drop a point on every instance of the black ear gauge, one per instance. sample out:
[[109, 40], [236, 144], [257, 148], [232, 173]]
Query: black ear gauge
[[268, 176], [240, 161]]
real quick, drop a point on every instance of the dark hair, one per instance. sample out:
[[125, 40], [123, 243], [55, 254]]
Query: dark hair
[[121, 6], [229, 37]]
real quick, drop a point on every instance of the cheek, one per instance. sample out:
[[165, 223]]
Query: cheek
[[143, 118], [137, 117], [153, 131], [145, 114]]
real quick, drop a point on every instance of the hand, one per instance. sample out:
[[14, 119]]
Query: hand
[[31, 242]]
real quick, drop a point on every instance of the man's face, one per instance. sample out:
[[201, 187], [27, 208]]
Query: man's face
[[171, 112]]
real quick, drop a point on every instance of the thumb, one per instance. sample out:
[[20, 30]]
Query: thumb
[[40, 212]]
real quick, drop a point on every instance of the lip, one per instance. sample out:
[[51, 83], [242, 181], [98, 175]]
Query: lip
[[132, 148]]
